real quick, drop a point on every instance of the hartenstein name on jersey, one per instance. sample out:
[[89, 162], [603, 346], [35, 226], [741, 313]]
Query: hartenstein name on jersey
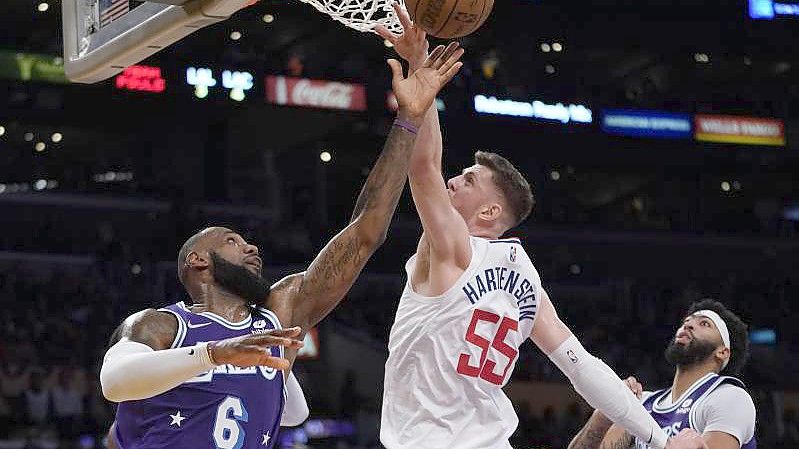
[[507, 280]]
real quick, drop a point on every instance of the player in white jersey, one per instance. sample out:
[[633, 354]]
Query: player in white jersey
[[470, 301], [709, 347]]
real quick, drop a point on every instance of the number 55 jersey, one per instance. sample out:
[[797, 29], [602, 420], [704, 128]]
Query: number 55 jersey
[[450, 355], [226, 408]]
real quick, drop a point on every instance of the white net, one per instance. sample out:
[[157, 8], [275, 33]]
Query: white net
[[361, 15]]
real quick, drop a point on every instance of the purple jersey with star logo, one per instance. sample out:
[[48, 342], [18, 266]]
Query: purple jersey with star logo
[[226, 408]]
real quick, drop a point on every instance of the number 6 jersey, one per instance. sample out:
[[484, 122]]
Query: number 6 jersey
[[450, 355], [226, 408]]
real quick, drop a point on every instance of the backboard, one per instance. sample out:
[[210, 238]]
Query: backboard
[[103, 37]]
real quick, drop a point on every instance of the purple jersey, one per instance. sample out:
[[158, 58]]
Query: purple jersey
[[226, 408], [674, 418]]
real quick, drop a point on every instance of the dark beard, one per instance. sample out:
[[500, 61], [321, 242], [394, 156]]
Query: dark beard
[[694, 352], [240, 281]]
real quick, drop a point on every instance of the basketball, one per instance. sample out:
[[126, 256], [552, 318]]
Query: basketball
[[448, 19]]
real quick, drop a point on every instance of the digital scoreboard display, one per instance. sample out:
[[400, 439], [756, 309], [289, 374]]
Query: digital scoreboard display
[[770, 9]]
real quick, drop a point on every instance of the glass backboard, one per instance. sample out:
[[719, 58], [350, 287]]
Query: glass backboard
[[103, 37]]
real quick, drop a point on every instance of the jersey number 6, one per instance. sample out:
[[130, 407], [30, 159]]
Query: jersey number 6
[[485, 370]]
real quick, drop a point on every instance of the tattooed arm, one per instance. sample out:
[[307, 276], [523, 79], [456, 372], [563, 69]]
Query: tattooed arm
[[334, 270], [600, 433]]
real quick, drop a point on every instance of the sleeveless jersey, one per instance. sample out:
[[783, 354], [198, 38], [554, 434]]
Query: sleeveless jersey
[[226, 408], [682, 415], [450, 355]]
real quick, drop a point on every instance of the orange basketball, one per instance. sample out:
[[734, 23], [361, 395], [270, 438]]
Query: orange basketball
[[449, 18]]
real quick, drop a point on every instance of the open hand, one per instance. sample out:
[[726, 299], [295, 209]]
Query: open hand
[[254, 349], [411, 44], [415, 94]]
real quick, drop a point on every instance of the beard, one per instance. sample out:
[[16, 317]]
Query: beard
[[240, 281], [685, 355]]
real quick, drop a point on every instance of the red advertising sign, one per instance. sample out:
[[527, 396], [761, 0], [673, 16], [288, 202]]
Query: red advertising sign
[[290, 91], [733, 129], [141, 78]]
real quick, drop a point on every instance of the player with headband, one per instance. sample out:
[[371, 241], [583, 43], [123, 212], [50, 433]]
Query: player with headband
[[710, 346]]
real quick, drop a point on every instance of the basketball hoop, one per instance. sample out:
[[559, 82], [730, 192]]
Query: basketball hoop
[[361, 15]]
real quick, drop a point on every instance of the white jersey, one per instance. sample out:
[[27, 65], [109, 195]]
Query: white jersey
[[450, 355]]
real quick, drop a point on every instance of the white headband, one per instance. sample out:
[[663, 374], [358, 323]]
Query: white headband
[[721, 326]]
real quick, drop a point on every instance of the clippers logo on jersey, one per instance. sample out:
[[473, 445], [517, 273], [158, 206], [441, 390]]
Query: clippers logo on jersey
[[507, 280]]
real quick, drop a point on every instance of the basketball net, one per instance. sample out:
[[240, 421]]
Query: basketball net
[[361, 15]]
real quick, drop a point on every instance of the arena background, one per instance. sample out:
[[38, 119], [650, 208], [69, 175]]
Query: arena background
[[100, 184]]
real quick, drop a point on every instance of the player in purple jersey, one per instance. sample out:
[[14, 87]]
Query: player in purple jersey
[[209, 372], [710, 346]]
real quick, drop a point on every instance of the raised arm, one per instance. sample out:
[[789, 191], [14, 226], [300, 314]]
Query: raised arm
[[445, 232], [334, 270], [592, 378]]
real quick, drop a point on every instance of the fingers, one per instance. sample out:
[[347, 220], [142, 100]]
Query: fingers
[[451, 72], [385, 33], [444, 57], [403, 17], [288, 332], [634, 386], [453, 58], [396, 71], [278, 363], [433, 56]]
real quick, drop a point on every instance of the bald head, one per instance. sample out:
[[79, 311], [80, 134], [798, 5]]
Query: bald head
[[197, 242]]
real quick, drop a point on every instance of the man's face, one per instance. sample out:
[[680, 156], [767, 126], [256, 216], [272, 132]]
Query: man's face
[[471, 190], [237, 267], [695, 340]]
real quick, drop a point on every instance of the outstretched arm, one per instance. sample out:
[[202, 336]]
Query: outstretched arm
[[445, 232], [592, 378], [334, 270]]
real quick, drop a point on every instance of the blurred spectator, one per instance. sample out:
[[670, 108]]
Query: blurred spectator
[[68, 406]]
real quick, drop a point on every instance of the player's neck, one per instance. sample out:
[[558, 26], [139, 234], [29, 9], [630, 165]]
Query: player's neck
[[688, 375], [219, 301]]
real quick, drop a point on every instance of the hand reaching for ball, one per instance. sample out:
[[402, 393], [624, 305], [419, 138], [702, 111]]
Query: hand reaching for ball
[[411, 44], [416, 93]]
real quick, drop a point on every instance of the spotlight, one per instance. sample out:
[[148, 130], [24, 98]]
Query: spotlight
[[28, 137], [555, 175], [2, 130], [725, 186], [40, 184], [56, 137], [549, 68], [39, 147], [236, 35], [268, 18], [325, 156], [545, 47], [557, 46], [43, 6]]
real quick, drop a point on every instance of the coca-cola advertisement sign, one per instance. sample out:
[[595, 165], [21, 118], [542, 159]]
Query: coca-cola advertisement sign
[[290, 91]]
